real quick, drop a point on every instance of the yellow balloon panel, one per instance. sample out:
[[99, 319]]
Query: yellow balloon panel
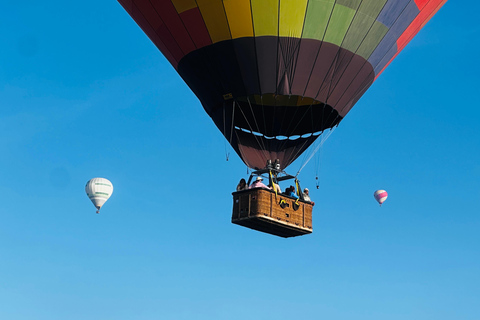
[[292, 16], [265, 24], [213, 14], [239, 15]]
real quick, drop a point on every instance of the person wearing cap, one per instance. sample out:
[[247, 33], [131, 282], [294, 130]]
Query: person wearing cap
[[258, 184], [306, 196]]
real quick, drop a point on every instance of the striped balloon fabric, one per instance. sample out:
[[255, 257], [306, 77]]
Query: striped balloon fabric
[[98, 191], [275, 74], [380, 196]]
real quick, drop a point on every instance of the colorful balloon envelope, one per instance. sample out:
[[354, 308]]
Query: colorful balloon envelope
[[98, 191], [275, 74], [380, 196]]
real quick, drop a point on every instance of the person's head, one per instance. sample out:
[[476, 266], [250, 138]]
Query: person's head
[[242, 182], [258, 179], [306, 191]]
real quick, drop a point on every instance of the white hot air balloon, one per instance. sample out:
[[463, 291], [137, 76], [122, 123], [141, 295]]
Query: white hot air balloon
[[380, 196], [99, 190]]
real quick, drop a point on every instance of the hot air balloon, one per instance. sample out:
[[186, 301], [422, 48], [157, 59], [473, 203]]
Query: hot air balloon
[[274, 75], [380, 196], [98, 191]]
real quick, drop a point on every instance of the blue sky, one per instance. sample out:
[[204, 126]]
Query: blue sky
[[84, 93]]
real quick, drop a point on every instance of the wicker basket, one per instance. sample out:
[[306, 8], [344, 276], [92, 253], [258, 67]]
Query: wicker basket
[[277, 214]]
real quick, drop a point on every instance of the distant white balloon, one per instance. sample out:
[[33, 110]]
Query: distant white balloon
[[99, 190], [380, 196]]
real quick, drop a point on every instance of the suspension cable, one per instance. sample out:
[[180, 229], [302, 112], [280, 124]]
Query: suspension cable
[[316, 149], [227, 154]]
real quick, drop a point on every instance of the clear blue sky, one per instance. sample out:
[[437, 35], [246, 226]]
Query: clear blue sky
[[84, 93]]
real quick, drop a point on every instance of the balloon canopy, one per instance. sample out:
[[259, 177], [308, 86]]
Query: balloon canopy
[[274, 74], [98, 191], [380, 196]]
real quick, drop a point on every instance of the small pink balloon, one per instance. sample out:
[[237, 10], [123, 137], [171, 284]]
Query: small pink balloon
[[380, 196]]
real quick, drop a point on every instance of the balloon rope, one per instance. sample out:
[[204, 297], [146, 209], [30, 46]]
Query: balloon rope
[[261, 144], [227, 154], [310, 75], [256, 138], [233, 119], [316, 149], [290, 62], [312, 69], [298, 150]]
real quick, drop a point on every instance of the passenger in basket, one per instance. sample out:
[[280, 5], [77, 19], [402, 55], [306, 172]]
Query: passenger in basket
[[290, 191], [242, 185], [258, 184], [277, 187], [306, 196]]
